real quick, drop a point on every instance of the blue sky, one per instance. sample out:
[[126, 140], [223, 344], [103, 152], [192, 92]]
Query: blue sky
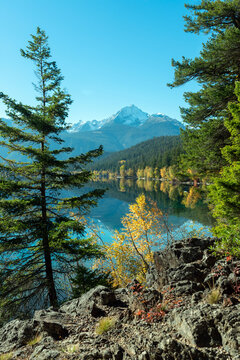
[[112, 53]]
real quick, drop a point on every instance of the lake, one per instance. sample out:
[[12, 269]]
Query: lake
[[185, 205]]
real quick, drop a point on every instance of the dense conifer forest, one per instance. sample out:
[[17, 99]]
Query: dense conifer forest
[[158, 152]]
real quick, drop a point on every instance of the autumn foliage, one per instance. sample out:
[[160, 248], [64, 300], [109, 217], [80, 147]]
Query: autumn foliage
[[157, 311], [131, 251]]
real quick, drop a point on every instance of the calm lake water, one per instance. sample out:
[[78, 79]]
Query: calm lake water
[[184, 205]]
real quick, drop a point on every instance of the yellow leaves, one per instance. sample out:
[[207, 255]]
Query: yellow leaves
[[163, 172], [131, 251]]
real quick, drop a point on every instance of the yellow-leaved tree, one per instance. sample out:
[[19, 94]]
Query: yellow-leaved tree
[[129, 255]]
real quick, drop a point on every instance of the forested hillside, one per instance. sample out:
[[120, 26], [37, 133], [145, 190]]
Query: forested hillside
[[158, 152]]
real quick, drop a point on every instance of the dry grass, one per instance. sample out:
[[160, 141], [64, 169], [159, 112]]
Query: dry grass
[[214, 296], [7, 356], [105, 324], [34, 341]]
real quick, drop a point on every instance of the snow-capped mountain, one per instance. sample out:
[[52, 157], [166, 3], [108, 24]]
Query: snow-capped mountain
[[129, 115], [127, 127]]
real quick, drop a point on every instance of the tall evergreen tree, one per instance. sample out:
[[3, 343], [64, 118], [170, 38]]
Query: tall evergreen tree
[[216, 70], [39, 239], [225, 190]]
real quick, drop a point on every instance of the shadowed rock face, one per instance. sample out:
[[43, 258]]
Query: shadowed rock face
[[183, 322]]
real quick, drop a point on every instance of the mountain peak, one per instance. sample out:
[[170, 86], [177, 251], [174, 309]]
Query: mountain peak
[[129, 115]]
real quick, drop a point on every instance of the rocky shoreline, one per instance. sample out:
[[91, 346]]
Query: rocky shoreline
[[189, 310]]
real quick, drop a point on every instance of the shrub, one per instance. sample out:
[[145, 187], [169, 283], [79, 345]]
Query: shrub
[[158, 310]]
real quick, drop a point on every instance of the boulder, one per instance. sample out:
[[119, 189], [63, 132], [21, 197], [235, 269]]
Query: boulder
[[100, 294], [52, 322]]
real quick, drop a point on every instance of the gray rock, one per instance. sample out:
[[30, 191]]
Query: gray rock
[[185, 287], [208, 259], [77, 306], [190, 272], [118, 352], [122, 297], [107, 354], [177, 255], [229, 328], [94, 355], [172, 349], [144, 356], [41, 353], [95, 311], [52, 323], [190, 330], [197, 326], [107, 298], [15, 334]]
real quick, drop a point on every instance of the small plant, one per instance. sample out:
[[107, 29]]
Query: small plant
[[7, 356], [218, 271], [72, 348], [158, 310], [105, 324], [35, 340], [214, 295]]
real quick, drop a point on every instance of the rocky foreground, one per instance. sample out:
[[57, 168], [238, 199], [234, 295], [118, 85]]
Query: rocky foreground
[[189, 310]]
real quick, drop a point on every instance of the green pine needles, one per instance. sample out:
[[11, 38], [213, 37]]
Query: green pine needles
[[212, 142], [40, 242], [215, 70], [225, 191]]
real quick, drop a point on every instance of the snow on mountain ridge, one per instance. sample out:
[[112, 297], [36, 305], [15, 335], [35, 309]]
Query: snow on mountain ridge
[[128, 115]]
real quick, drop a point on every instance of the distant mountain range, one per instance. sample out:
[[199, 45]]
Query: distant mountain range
[[129, 115], [129, 126]]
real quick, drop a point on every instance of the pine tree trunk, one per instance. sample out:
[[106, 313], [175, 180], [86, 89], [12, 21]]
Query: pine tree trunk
[[47, 255], [46, 249]]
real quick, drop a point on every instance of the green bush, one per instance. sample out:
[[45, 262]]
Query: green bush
[[86, 279]]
